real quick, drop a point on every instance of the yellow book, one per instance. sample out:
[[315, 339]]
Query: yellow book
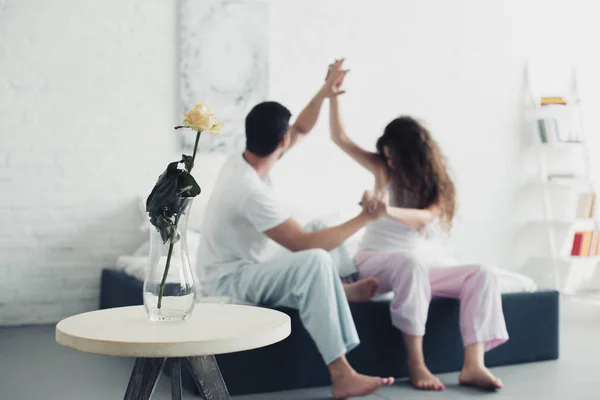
[[585, 245], [553, 100]]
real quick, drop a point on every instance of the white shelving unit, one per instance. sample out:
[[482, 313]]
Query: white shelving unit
[[560, 232]]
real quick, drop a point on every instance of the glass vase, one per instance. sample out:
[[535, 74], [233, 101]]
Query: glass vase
[[169, 288]]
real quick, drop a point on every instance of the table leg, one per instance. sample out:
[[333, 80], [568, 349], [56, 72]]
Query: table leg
[[175, 369], [143, 378], [208, 378]]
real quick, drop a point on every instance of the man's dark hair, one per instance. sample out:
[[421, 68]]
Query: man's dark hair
[[266, 124]]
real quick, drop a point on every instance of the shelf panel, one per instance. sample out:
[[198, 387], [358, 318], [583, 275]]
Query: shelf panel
[[581, 258], [554, 111], [568, 259], [568, 182], [568, 223], [563, 145]]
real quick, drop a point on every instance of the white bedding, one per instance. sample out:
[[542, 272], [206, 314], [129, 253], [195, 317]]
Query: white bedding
[[136, 264]]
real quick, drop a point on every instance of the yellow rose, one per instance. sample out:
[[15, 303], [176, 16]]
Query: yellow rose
[[200, 118], [216, 129]]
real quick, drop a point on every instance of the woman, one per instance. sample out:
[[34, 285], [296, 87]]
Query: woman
[[409, 166]]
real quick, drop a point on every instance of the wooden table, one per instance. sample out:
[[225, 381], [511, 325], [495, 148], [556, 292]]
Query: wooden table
[[212, 329]]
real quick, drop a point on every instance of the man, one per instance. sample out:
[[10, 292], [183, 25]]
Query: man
[[243, 213]]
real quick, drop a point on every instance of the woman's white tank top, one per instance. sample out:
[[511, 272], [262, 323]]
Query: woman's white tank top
[[387, 234]]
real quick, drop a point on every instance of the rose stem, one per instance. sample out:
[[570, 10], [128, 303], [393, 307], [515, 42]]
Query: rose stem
[[195, 148], [164, 279]]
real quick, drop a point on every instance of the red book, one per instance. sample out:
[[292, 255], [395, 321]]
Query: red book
[[577, 240]]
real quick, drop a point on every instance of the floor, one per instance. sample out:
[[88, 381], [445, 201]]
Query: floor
[[33, 366]]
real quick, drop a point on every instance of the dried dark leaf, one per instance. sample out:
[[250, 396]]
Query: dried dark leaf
[[168, 197], [187, 161]]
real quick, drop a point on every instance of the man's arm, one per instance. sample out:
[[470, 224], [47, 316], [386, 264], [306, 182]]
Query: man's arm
[[292, 236], [307, 119]]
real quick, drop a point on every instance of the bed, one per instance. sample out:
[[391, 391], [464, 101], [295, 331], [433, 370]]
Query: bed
[[532, 319]]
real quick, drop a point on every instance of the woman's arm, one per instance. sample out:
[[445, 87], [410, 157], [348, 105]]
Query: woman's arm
[[367, 159], [413, 216], [310, 114]]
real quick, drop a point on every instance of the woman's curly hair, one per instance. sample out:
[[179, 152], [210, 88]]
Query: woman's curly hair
[[418, 166]]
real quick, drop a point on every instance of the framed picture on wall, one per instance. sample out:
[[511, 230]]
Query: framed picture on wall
[[223, 61]]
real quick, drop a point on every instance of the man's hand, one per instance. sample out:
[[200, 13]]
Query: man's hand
[[334, 79], [375, 205]]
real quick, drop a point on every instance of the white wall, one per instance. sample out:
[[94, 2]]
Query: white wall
[[460, 67], [88, 98]]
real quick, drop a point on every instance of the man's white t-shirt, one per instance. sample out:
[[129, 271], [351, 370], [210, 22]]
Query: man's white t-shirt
[[241, 207]]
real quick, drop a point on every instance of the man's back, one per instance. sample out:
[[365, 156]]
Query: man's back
[[240, 209]]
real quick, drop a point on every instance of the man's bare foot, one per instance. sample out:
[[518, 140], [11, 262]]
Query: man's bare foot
[[480, 377], [422, 379], [361, 291], [354, 384]]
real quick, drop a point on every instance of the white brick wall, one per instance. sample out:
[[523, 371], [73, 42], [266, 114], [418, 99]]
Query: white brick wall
[[87, 105]]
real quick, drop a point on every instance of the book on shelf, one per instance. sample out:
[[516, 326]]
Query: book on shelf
[[586, 244], [586, 205], [577, 240], [550, 131], [542, 130], [553, 100], [594, 243], [559, 176]]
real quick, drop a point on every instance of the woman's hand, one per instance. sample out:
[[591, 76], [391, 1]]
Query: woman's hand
[[375, 204], [334, 79]]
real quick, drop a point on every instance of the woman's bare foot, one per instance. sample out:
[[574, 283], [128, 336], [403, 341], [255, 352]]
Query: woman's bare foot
[[362, 290], [480, 377], [421, 378], [353, 384]]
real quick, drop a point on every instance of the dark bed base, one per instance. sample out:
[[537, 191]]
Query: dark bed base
[[531, 319]]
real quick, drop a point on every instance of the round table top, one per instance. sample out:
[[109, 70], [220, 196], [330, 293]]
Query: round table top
[[212, 329]]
